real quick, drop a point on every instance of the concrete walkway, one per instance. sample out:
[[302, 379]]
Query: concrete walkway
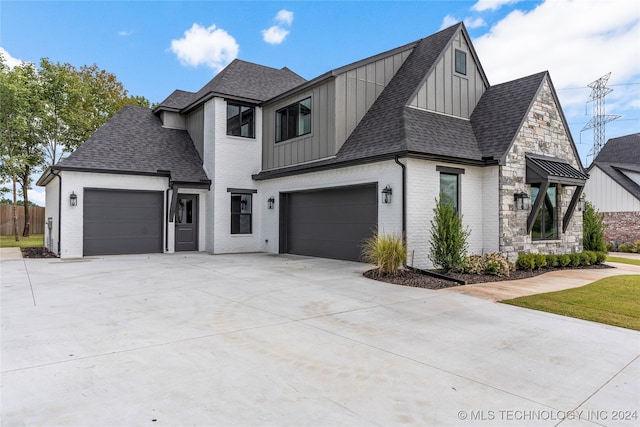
[[547, 282], [258, 339], [8, 254]]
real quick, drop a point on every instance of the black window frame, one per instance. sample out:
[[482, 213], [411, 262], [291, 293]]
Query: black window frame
[[240, 122], [237, 215], [290, 115], [463, 56], [450, 171], [541, 230]]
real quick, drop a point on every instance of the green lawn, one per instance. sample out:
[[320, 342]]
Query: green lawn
[[613, 300], [33, 240], [623, 260]]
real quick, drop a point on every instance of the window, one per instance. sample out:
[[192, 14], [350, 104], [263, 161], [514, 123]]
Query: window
[[461, 62], [240, 120], [294, 120], [449, 189], [240, 213], [545, 226]]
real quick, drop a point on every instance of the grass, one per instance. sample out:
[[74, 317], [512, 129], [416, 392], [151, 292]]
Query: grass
[[31, 241], [623, 260], [613, 301]]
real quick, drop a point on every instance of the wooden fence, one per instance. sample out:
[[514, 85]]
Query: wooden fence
[[6, 219]]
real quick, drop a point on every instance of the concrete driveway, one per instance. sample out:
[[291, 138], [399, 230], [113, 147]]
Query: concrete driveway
[[258, 339]]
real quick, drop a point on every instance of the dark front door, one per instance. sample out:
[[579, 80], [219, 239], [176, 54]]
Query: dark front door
[[187, 222]]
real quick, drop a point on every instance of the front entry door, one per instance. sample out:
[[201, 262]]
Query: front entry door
[[187, 222]]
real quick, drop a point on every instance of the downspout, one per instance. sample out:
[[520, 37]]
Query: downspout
[[59, 209], [404, 198]]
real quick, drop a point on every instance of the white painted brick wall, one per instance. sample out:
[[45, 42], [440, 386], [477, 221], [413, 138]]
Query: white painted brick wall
[[383, 173], [423, 187], [72, 217]]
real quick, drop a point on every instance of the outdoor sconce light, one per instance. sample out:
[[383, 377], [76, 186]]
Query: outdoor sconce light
[[386, 194], [522, 201], [581, 203], [73, 199], [271, 202]]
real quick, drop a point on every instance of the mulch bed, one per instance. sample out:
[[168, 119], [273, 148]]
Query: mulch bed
[[37, 252], [423, 280]]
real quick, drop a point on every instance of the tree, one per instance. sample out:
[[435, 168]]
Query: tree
[[592, 229], [448, 237]]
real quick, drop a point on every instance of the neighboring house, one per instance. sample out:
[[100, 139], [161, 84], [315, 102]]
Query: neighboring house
[[614, 188], [261, 160]]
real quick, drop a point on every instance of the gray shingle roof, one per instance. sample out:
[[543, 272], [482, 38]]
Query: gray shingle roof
[[252, 81], [178, 100], [134, 141], [619, 155], [500, 112]]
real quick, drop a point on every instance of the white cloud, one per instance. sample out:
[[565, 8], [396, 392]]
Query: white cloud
[[277, 33], [274, 35], [210, 46], [124, 33], [483, 5], [469, 22], [577, 42], [448, 21], [8, 59], [284, 17]]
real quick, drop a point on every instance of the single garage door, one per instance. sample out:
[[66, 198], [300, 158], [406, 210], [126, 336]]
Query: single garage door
[[330, 223], [122, 222]]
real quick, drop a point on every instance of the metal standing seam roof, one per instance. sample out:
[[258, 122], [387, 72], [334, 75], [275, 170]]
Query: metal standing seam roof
[[556, 168]]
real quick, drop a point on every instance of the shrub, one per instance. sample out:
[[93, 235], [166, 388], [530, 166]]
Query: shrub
[[625, 247], [541, 260], [387, 252], [585, 259], [552, 260], [592, 229], [497, 265], [600, 257], [636, 247], [576, 260], [564, 260], [448, 238], [592, 257], [525, 261], [473, 264]]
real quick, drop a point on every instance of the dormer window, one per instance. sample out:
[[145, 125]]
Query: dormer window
[[461, 62], [293, 120], [240, 120]]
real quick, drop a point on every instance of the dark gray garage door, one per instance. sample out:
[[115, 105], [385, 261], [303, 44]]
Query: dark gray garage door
[[122, 222], [330, 223]]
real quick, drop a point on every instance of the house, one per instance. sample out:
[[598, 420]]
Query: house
[[614, 188], [261, 160]]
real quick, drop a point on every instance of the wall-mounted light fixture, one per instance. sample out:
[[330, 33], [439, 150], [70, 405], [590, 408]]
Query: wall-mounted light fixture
[[581, 202], [522, 201], [386, 194], [73, 199], [270, 202]]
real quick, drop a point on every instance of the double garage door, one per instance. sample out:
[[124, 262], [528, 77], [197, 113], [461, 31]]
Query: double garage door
[[328, 223], [122, 222]]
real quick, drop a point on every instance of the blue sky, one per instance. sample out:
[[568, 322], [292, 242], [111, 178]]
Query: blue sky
[[154, 47]]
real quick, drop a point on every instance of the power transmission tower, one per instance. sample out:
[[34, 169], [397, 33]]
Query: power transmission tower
[[599, 119]]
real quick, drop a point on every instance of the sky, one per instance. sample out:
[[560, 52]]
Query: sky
[[155, 47]]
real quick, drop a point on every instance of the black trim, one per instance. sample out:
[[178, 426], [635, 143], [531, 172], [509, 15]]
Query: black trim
[[542, 193], [59, 210], [450, 170], [241, 190]]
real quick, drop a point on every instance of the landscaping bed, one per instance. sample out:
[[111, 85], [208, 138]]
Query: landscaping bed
[[37, 252], [419, 279]]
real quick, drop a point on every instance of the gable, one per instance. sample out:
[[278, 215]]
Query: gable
[[610, 191], [447, 91]]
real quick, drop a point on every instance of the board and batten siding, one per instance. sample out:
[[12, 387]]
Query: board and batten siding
[[607, 195], [195, 128], [337, 106], [448, 92]]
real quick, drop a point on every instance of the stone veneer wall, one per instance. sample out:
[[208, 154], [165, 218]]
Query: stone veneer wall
[[542, 133], [621, 227]]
